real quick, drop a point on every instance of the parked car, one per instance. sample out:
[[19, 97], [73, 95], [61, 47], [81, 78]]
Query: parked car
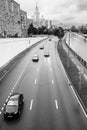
[[14, 105]]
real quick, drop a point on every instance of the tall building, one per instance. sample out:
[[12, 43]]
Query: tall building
[[9, 18], [23, 15], [36, 17]]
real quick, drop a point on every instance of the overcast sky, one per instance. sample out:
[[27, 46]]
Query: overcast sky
[[65, 11]]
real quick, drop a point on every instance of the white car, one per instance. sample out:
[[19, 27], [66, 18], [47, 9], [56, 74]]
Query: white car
[[35, 58]]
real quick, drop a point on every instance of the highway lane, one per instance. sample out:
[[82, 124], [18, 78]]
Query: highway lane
[[49, 102]]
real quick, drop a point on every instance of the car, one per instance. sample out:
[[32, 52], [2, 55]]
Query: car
[[46, 54], [14, 105], [42, 47], [35, 58], [49, 39]]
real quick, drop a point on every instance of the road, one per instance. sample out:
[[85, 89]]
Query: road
[[49, 102]]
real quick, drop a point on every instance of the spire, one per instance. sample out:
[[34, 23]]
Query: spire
[[36, 5]]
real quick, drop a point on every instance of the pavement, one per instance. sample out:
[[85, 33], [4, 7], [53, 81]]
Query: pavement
[[49, 102]]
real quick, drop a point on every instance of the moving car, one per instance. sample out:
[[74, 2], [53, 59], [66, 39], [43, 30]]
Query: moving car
[[49, 39], [42, 47], [35, 58], [46, 54], [14, 105]]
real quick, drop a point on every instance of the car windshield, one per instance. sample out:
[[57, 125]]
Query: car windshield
[[12, 103]]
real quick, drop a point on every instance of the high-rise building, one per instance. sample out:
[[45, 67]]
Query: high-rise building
[[36, 17]]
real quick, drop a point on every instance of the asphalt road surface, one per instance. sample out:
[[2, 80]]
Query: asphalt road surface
[[49, 102]]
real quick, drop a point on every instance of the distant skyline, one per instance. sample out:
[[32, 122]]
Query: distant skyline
[[65, 11]]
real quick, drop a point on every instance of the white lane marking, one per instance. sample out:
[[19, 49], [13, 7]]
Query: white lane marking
[[53, 82], [37, 69], [2, 109], [31, 104], [35, 81], [4, 104], [4, 75], [56, 104], [12, 90], [6, 100], [8, 97], [78, 101], [0, 112], [20, 76], [10, 94]]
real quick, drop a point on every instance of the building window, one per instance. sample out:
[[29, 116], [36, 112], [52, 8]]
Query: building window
[[7, 5]]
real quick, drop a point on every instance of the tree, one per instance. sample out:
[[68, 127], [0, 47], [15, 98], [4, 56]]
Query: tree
[[59, 32], [30, 29]]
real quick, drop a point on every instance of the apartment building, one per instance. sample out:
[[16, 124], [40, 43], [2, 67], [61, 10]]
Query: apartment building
[[23, 15]]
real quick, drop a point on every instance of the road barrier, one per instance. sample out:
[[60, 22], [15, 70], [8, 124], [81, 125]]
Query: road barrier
[[82, 61]]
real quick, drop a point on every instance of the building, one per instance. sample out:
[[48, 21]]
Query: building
[[16, 19], [10, 18], [36, 17], [23, 15]]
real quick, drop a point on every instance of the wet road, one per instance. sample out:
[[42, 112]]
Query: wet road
[[49, 102]]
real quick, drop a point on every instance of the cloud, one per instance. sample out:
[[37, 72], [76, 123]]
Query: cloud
[[82, 5]]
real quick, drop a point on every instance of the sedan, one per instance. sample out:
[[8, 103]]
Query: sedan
[[14, 105], [46, 54], [35, 58], [42, 47]]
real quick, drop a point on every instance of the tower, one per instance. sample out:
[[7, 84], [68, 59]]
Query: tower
[[37, 16]]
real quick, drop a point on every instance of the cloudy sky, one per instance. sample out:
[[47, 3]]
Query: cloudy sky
[[65, 11]]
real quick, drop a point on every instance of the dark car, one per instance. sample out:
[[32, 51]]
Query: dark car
[[49, 39], [42, 47], [46, 54], [14, 105], [35, 58]]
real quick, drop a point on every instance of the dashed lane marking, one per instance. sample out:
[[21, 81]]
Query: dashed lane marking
[[31, 104], [2, 108], [53, 82], [56, 104], [35, 81]]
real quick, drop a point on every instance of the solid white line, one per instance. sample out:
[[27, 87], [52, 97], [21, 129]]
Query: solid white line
[[53, 82], [78, 101], [31, 105], [20, 76], [56, 104]]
